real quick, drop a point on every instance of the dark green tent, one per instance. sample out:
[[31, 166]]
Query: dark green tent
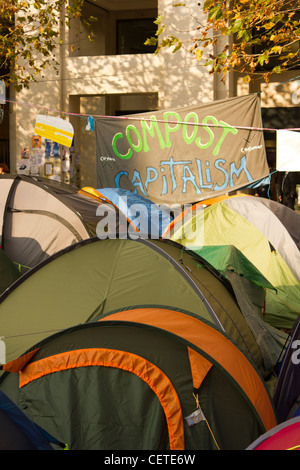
[[96, 276], [142, 379]]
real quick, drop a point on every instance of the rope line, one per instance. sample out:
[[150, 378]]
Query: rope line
[[136, 118]]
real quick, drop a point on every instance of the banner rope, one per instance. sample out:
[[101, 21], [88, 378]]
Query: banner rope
[[143, 118]]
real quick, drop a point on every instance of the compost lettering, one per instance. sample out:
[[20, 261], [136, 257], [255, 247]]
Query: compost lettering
[[138, 140]]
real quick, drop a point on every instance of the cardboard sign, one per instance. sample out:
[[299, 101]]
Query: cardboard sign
[[56, 129]]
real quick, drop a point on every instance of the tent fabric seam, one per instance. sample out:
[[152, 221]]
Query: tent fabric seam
[[266, 420], [33, 371], [190, 281], [52, 216]]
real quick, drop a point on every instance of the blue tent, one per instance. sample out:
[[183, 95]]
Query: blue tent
[[18, 432], [149, 218]]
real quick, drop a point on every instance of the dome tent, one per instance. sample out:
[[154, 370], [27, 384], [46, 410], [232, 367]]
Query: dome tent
[[96, 276], [41, 216], [251, 225], [142, 378], [149, 218], [284, 436]]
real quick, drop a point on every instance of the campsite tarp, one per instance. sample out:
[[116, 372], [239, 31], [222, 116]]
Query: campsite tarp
[[149, 218], [40, 217], [146, 379], [96, 276], [248, 224]]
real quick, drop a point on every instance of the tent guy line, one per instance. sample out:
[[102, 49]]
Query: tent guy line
[[56, 330]]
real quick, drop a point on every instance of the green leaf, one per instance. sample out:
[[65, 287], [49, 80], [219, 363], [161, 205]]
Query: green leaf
[[177, 47], [208, 4], [215, 13], [158, 20], [151, 41], [263, 58], [236, 25], [160, 30]]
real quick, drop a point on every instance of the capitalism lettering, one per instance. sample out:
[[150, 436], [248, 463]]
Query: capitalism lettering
[[201, 180]]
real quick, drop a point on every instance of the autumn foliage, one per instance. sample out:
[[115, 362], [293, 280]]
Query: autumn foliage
[[30, 37], [256, 38]]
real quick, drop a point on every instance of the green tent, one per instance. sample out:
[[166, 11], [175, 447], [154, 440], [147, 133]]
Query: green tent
[[144, 378], [249, 287], [96, 276], [253, 228], [228, 258]]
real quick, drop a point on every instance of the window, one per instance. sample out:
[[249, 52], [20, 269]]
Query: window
[[132, 33]]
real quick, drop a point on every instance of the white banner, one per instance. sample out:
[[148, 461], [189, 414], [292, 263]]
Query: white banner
[[287, 150]]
